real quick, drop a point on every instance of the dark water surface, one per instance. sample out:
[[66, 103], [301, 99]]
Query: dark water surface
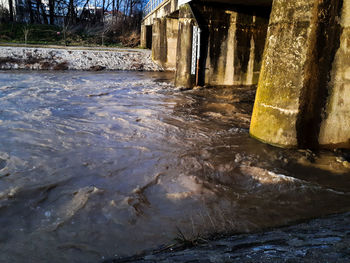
[[97, 165]]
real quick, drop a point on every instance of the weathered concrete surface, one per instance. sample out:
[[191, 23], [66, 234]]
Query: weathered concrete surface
[[143, 39], [172, 36], [159, 43], [320, 240], [232, 41], [75, 59], [335, 128], [301, 42], [183, 77], [164, 42], [146, 36]]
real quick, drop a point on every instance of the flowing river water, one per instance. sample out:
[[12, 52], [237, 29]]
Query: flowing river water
[[101, 165]]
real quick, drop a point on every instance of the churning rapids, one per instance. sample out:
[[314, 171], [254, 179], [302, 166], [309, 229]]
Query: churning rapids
[[101, 165]]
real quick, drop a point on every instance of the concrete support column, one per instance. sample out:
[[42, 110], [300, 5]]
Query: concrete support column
[[183, 77], [159, 40], [302, 38], [146, 36], [172, 29], [164, 42], [335, 128], [143, 36]]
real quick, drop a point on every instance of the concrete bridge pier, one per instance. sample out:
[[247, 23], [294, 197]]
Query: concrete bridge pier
[[231, 44], [164, 41], [303, 96], [335, 125], [183, 76], [146, 36]]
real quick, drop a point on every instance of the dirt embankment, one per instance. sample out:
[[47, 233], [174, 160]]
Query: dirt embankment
[[38, 58]]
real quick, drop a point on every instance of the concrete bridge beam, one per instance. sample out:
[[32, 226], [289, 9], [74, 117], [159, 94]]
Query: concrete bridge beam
[[302, 40]]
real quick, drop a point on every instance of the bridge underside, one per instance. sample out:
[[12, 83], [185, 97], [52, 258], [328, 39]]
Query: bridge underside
[[231, 43], [296, 52], [264, 3]]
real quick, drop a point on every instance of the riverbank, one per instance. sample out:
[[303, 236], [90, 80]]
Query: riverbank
[[319, 240], [77, 58]]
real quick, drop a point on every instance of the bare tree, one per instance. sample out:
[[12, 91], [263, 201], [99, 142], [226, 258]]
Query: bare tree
[[30, 11], [82, 14], [65, 31], [26, 31], [11, 10], [71, 15], [40, 12], [52, 11]]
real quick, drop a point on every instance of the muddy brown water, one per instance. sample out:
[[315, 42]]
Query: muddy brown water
[[101, 165]]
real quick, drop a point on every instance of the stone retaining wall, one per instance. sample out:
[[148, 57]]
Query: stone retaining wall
[[76, 59]]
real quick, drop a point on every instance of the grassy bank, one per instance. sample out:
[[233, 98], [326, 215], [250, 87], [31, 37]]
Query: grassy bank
[[39, 34]]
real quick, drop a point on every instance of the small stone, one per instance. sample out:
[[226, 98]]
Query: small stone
[[339, 159], [2, 163], [346, 164], [47, 213], [97, 68]]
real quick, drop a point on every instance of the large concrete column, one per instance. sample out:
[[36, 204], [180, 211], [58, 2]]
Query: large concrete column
[[164, 42], [183, 77], [335, 128], [172, 29], [302, 38], [143, 36], [159, 41]]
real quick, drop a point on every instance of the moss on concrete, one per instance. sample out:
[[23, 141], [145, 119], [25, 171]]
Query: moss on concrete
[[301, 40]]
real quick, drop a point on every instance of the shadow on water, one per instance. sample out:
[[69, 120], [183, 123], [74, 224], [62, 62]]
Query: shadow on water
[[96, 166]]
